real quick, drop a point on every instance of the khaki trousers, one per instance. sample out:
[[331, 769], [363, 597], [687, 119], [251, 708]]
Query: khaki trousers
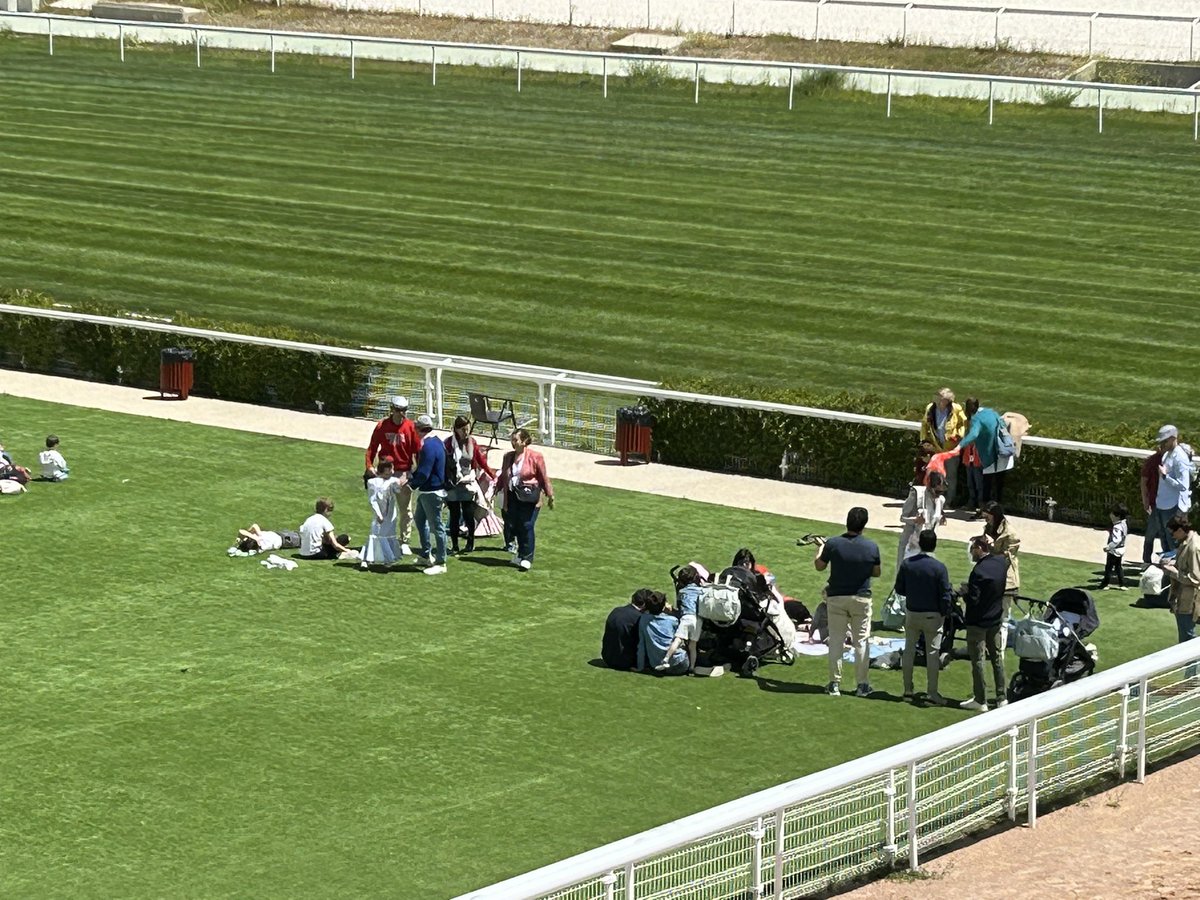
[[930, 625], [853, 615]]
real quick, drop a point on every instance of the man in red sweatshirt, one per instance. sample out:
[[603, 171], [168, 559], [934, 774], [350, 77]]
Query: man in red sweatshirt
[[396, 438]]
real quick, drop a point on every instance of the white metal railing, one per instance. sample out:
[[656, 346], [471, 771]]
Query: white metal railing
[[992, 89], [890, 806], [548, 382], [1107, 32]]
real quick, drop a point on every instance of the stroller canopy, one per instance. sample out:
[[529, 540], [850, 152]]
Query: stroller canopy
[[1079, 603]]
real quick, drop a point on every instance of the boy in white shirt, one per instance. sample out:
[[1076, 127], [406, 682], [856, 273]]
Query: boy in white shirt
[[54, 467], [317, 540]]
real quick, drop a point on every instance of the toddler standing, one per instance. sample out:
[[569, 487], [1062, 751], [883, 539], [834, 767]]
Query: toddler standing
[[382, 547], [1115, 549], [54, 467]]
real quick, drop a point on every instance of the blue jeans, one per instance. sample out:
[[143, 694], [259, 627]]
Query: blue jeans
[[519, 518], [429, 510], [1156, 527]]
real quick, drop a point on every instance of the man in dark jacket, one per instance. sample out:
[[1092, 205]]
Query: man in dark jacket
[[984, 617], [619, 646], [428, 482], [925, 585]]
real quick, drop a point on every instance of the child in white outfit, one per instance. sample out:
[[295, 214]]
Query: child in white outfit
[[54, 467], [1114, 549], [382, 547]]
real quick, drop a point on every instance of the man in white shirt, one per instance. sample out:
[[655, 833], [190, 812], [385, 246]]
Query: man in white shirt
[[317, 540]]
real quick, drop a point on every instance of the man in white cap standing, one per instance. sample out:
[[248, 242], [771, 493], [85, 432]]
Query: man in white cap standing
[[396, 438], [1174, 484]]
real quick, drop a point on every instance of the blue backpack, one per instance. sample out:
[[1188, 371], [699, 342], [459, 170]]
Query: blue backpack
[[1006, 447]]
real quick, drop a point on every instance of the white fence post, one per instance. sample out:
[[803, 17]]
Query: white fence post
[[1192, 39], [791, 86], [817, 22], [996, 35], [757, 833], [121, 40], [991, 102], [1196, 118], [904, 26], [50, 34], [779, 852], [272, 54], [630, 891], [553, 413], [440, 399], [197, 33], [610, 884], [697, 100], [1143, 705], [889, 847], [1099, 111], [429, 403], [1123, 734], [913, 861], [604, 71], [433, 62], [1031, 775], [352, 58], [1091, 30], [518, 71], [1011, 792], [889, 95]]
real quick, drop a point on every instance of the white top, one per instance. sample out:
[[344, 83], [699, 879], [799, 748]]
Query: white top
[[315, 528], [269, 540], [381, 494], [53, 464]]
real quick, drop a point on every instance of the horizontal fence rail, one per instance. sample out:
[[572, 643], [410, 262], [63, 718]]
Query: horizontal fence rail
[[891, 806], [990, 89], [1106, 32], [549, 385]]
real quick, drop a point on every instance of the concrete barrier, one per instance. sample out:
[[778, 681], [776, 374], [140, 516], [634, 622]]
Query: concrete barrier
[[145, 12]]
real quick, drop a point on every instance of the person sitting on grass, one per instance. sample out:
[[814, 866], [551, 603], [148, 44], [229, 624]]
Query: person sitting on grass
[[255, 540], [619, 647], [656, 632], [317, 538], [687, 596], [54, 467]]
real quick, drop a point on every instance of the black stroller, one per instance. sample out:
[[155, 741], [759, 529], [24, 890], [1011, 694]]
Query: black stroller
[[1072, 613], [749, 636]]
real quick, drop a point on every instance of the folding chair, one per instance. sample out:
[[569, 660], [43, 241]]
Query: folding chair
[[482, 412]]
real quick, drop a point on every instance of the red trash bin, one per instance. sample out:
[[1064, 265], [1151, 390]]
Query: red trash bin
[[635, 433], [175, 372]]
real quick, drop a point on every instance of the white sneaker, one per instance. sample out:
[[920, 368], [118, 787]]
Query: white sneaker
[[1001, 703], [405, 550], [525, 565], [972, 704], [436, 570]]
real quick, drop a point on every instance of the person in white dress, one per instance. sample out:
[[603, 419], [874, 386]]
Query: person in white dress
[[382, 547], [924, 509]]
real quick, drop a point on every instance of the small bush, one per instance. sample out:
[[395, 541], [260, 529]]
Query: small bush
[[1058, 98]]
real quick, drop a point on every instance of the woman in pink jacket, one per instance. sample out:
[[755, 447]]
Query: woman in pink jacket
[[521, 485]]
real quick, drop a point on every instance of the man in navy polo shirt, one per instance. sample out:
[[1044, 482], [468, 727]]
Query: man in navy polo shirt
[[924, 584], [853, 561]]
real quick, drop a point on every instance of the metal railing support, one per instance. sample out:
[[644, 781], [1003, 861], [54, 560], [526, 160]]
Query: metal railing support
[[779, 835], [433, 63], [889, 826], [1143, 706], [1122, 751], [697, 100], [1031, 775], [913, 861], [757, 833]]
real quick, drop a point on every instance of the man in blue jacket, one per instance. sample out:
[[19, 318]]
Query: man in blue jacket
[[428, 482], [984, 617], [925, 585]]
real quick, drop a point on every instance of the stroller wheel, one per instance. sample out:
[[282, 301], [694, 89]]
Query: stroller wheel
[[750, 666], [787, 657]]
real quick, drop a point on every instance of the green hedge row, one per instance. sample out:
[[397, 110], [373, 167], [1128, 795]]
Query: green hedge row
[[223, 370], [879, 460]]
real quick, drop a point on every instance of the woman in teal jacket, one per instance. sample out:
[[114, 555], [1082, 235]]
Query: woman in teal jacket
[[983, 424]]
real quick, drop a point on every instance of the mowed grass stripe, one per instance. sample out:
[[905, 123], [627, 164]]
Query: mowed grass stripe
[[828, 228]]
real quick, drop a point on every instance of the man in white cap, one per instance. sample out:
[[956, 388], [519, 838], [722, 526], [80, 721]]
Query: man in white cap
[[396, 438], [1174, 484]]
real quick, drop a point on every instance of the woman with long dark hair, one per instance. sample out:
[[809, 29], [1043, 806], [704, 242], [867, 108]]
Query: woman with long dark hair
[[464, 462], [1007, 543], [522, 485]]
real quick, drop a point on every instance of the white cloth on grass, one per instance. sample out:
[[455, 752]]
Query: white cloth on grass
[[278, 562]]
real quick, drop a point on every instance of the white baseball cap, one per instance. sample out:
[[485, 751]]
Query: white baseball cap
[[424, 423], [399, 402]]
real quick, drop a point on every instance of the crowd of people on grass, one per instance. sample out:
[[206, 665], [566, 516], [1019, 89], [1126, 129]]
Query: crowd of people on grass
[[415, 480], [655, 634], [52, 467]]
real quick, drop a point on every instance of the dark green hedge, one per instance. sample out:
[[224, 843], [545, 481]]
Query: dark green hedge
[[878, 460], [223, 370]]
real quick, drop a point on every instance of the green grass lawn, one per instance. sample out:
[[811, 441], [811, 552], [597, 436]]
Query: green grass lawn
[[177, 723], [1034, 262]]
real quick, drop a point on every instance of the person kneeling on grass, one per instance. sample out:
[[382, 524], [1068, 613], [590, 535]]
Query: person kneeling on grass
[[656, 633], [317, 540], [687, 597]]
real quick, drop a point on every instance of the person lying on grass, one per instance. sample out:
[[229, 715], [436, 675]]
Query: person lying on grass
[[254, 540]]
